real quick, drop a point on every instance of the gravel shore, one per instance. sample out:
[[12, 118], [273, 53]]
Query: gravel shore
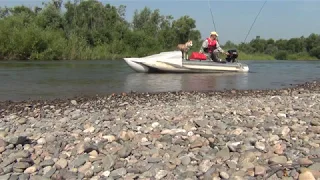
[[266, 134]]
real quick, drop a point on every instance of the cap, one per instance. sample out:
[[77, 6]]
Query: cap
[[214, 33]]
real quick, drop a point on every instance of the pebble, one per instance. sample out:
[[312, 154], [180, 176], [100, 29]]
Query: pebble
[[41, 141], [61, 163], [109, 138], [260, 146], [30, 170], [22, 121], [224, 175], [185, 160], [184, 135], [106, 173], [278, 160], [259, 170], [306, 176], [161, 174]]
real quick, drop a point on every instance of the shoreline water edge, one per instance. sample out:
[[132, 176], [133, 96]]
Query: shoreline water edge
[[233, 134], [6, 105]]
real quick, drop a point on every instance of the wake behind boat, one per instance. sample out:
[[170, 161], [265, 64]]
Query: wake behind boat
[[172, 62]]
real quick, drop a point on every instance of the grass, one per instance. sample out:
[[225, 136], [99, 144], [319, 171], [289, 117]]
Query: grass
[[255, 56]]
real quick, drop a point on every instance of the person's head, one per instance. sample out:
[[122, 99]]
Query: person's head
[[213, 35]]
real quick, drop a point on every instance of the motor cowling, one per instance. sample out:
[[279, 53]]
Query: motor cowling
[[233, 55]]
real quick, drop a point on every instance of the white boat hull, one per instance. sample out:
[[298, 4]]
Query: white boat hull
[[173, 63], [137, 66]]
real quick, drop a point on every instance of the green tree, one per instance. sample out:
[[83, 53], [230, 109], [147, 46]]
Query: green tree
[[184, 27], [92, 30]]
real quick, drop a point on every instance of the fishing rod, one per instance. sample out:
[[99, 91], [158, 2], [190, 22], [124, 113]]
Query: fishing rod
[[255, 20], [214, 25]]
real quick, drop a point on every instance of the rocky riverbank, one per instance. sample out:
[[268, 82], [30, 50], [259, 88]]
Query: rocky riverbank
[[270, 134]]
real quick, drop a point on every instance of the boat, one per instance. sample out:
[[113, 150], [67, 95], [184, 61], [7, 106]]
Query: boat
[[172, 62]]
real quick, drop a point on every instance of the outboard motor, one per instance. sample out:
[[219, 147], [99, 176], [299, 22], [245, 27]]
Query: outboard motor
[[233, 54]]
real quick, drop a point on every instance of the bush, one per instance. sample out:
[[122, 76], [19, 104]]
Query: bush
[[281, 55]]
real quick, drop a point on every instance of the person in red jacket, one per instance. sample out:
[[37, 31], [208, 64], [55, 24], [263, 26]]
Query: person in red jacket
[[210, 47]]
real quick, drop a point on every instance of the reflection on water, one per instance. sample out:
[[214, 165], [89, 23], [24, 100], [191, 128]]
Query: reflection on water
[[140, 82], [60, 79], [199, 82]]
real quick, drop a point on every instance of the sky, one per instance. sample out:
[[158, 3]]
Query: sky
[[233, 18]]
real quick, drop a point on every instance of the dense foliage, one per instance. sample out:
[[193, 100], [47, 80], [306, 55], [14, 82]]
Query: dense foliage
[[303, 48], [91, 30], [88, 30]]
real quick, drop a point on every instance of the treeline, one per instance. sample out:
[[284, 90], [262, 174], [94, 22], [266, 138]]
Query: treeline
[[90, 30], [303, 48]]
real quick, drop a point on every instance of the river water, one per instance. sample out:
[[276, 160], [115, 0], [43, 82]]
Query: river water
[[66, 79]]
